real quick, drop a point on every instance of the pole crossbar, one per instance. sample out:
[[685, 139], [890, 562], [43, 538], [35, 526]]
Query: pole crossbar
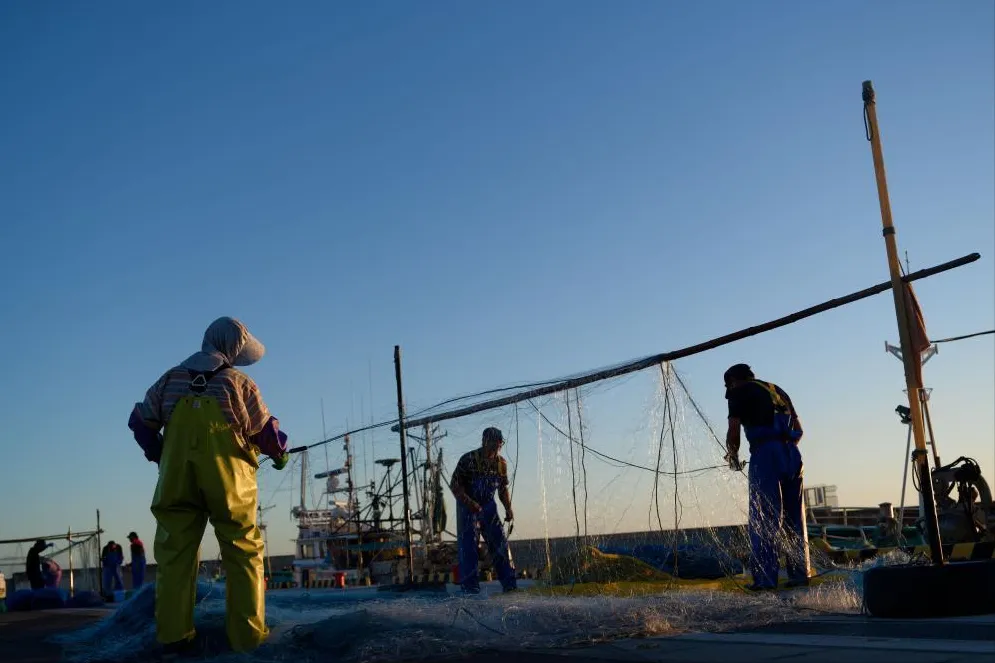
[[640, 364]]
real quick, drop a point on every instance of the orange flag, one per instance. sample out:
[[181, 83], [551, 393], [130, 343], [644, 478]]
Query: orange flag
[[917, 324], [917, 328]]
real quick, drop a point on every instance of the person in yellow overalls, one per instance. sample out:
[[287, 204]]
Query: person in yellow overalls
[[215, 427]]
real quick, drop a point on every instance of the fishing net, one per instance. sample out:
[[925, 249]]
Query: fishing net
[[74, 570], [628, 522], [620, 486]]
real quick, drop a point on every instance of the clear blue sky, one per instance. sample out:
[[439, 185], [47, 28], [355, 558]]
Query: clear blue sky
[[510, 193]]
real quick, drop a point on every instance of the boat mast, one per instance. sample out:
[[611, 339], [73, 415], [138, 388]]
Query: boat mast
[[910, 357], [427, 502], [402, 434], [353, 508], [304, 470], [432, 468]]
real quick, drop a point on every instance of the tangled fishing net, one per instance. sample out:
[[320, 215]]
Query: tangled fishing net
[[629, 522], [69, 571], [386, 626]]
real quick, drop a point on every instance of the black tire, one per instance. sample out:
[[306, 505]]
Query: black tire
[[955, 589]]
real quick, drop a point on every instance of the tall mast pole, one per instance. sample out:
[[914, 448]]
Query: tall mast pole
[[910, 357], [304, 471], [402, 434], [353, 512], [428, 503]]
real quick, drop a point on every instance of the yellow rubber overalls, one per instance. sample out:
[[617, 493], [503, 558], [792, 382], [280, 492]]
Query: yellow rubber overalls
[[206, 473]]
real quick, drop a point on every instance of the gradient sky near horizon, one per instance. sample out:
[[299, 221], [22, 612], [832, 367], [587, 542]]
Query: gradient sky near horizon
[[510, 192]]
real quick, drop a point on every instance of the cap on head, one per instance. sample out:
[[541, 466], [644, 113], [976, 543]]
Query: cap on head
[[492, 435], [738, 372]]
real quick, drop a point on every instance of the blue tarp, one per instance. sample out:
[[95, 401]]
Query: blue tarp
[[37, 599], [693, 561]]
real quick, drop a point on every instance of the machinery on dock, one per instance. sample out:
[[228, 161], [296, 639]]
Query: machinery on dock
[[963, 502]]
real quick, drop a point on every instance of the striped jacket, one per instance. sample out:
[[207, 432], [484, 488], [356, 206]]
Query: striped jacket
[[236, 394]]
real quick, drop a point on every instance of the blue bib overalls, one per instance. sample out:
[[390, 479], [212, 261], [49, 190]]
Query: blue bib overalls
[[777, 508], [488, 523]]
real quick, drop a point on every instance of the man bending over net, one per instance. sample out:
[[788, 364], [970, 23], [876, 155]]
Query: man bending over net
[[777, 510], [478, 475]]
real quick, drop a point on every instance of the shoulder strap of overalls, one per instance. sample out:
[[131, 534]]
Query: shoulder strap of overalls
[[199, 379], [775, 397]]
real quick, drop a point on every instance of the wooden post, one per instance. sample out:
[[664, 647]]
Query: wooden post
[[402, 434], [911, 358]]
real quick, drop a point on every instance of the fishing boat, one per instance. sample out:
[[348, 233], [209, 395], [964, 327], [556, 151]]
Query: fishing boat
[[349, 541]]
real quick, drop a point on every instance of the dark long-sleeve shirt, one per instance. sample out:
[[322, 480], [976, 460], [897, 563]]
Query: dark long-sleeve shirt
[[32, 567]]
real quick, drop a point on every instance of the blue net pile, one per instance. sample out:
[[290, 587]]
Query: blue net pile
[[368, 625]]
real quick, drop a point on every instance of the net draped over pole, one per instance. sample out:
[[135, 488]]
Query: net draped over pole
[[647, 362]]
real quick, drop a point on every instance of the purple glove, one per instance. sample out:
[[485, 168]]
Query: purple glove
[[271, 440], [149, 440]]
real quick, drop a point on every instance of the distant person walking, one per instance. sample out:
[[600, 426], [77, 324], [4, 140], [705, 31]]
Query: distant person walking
[[777, 511]]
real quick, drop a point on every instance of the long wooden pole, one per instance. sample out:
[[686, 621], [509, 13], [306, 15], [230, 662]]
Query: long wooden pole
[[640, 364], [911, 358], [402, 434]]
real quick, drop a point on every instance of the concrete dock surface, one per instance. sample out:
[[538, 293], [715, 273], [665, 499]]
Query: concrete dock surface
[[820, 639]]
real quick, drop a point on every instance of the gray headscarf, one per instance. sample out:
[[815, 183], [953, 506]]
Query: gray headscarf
[[225, 341]]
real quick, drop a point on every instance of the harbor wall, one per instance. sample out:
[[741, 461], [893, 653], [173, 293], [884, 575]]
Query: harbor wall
[[529, 553]]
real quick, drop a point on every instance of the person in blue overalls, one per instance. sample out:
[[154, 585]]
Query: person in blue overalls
[[111, 559], [777, 510], [480, 474]]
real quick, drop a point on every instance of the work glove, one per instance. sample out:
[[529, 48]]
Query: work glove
[[280, 462], [734, 463], [154, 453]]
